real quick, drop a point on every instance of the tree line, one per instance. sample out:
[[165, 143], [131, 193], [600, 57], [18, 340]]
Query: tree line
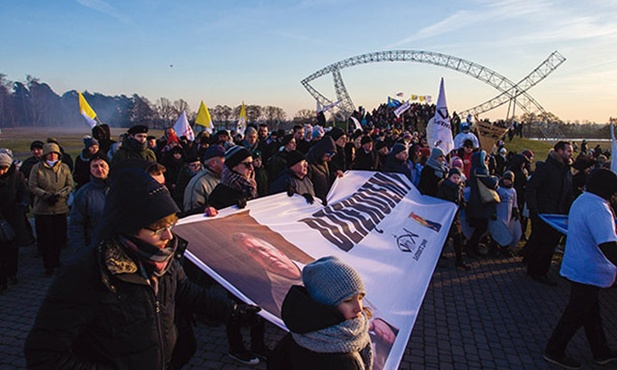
[[33, 103]]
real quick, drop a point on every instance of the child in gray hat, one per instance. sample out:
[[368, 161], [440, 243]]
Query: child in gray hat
[[329, 326]]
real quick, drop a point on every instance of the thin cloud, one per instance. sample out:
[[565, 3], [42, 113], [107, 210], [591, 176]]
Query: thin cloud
[[104, 7], [561, 23]]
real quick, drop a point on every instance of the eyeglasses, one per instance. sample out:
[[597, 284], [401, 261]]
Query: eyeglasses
[[247, 164], [330, 154], [161, 231]]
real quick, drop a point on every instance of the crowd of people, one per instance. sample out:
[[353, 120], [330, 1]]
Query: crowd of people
[[115, 206]]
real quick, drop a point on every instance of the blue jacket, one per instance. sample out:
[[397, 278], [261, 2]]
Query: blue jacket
[[86, 213]]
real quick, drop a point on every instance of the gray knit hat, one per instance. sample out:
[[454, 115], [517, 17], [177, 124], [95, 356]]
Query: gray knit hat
[[330, 281]]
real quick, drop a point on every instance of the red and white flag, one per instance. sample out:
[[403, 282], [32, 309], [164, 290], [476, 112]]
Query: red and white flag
[[183, 128]]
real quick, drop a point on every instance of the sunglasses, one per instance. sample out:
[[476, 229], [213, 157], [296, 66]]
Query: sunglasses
[[161, 231], [247, 164]]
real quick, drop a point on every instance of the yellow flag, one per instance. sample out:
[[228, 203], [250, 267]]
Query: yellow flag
[[203, 117], [86, 111], [241, 125]]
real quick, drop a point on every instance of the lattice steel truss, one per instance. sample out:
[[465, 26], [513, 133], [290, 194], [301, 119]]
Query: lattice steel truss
[[511, 92]]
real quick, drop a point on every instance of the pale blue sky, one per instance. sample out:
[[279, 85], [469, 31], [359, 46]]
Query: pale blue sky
[[225, 51]]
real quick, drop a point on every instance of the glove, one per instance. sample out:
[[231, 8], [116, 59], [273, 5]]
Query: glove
[[241, 203], [309, 198], [324, 202], [245, 314], [52, 199], [290, 191], [515, 214]]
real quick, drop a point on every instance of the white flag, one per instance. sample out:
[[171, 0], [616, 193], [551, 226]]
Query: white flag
[[613, 148], [330, 106], [356, 124], [183, 128], [439, 129], [402, 108]]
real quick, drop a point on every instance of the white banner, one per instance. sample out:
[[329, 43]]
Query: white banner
[[402, 108], [378, 223], [183, 128]]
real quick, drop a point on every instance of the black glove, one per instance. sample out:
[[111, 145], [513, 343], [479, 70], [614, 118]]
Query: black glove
[[245, 314], [309, 198], [241, 203], [515, 214], [290, 191], [52, 199], [324, 202]]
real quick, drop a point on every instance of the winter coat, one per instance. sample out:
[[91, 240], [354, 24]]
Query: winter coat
[[365, 161], [131, 148], [549, 189], [479, 172], [288, 181], [223, 196], [394, 165], [93, 318], [26, 166], [303, 315], [319, 173], [520, 178], [45, 181], [199, 189], [454, 193], [14, 201], [429, 181], [86, 213], [261, 177], [277, 164]]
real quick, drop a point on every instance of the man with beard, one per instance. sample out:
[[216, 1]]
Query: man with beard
[[549, 191]]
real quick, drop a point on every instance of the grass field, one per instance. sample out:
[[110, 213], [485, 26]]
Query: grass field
[[19, 139]]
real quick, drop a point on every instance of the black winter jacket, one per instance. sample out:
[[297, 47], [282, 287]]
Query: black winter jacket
[[549, 189], [93, 319]]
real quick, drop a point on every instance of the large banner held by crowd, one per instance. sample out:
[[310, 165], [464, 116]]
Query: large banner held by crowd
[[377, 222]]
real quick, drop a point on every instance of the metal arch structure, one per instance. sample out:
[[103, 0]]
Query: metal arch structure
[[510, 91]]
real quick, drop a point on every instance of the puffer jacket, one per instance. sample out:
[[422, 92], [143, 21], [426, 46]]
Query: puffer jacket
[[131, 148], [45, 181], [95, 319], [302, 315]]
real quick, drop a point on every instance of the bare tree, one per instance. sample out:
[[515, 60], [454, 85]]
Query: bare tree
[[272, 114], [166, 111]]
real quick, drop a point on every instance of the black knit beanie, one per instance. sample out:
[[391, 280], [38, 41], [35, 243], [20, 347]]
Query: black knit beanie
[[294, 157], [135, 201], [235, 155]]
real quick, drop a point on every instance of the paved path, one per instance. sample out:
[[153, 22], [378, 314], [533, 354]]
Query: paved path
[[491, 317]]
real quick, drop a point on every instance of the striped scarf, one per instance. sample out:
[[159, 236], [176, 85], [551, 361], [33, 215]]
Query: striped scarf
[[234, 180]]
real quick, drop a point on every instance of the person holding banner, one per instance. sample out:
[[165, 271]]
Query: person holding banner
[[329, 326], [589, 263], [114, 306]]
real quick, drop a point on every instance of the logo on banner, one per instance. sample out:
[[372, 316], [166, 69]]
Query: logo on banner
[[424, 222], [407, 243], [347, 222]]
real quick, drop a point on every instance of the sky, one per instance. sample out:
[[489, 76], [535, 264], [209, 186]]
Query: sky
[[225, 52]]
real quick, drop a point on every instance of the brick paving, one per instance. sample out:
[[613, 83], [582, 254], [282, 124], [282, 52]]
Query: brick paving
[[490, 317]]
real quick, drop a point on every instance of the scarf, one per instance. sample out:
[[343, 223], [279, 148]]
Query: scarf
[[234, 180], [51, 163], [135, 145], [350, 336], [155, 260], [440, 168]]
